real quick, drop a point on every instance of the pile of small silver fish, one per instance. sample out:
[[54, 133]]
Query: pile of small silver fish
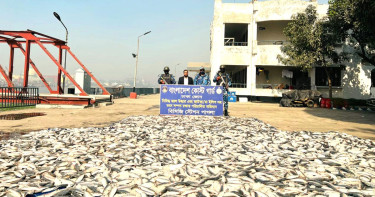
[[186, 156]]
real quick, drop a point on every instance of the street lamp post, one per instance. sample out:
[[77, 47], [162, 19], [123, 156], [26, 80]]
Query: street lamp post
[[66, 40], [175, 69], [136, 64]]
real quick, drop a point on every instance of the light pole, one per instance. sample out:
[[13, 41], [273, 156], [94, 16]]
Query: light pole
[[175, 69], [136, 64], [66, 40]]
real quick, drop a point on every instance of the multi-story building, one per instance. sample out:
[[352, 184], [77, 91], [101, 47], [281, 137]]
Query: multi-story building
[[246, 38]]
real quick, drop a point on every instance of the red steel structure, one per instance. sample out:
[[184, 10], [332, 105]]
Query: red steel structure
[[16, 40], [9, 81]]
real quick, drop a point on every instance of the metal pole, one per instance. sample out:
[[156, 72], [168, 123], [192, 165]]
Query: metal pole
[[11, 62], [59, 72], [175, 69], [66, 39], [136, 66], [66, 42], [27, 64]]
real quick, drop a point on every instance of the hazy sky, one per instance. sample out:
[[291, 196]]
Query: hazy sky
[[103, 34]]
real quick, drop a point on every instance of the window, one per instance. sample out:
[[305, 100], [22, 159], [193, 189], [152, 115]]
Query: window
[[238, 75], [271, 32], [235, 34], [321, 76], [301, 80], [373, 78]]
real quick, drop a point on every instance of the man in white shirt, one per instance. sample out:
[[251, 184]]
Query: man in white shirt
[[185, 80]]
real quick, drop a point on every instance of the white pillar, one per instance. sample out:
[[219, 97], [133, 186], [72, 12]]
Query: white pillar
[[83, 80], [217, 39], [251, 83]]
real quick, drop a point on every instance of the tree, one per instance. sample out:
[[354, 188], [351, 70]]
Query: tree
[[311, 43], [354, 21]]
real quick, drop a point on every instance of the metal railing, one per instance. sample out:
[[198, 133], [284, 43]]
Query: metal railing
[[125, 92], [272, 42], [18, 97], [231, 42], [238, 85], [267, 86], [279, 86]]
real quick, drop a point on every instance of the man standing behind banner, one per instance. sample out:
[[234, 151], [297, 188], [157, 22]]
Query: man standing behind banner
[[202, 78], [166, 78], [185, 80], [222, 79]]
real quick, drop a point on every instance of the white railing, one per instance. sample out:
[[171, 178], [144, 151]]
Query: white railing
[[231, 42], [238, 85], [270, 92], [272, 42]]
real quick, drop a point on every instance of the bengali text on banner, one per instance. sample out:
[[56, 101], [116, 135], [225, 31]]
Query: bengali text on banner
[[191, 100]]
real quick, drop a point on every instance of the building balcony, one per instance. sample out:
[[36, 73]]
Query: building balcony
[[267, 51], [270, 92], [240, 91], [272, 42], [236, 55]]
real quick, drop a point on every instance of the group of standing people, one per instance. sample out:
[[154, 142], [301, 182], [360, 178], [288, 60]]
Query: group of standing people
[[202, 78]]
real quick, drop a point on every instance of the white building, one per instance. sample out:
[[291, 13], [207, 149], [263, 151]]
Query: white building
[[246, 38]]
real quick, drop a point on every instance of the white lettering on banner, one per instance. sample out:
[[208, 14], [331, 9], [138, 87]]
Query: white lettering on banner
[[179, 90], [197, 97], [210, 90], [191, 111], [199, 90], [208, 112], [191, 100], [175, 111], [199, 106]]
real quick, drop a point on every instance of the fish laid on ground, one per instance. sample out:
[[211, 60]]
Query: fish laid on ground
[[186, 156]]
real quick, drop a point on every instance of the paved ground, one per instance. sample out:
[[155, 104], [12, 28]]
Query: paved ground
[[357, 123]]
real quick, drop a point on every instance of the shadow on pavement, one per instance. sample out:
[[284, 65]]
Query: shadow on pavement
[[361, 117]]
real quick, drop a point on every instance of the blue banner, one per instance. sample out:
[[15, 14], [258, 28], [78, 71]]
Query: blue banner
[[191, 100]]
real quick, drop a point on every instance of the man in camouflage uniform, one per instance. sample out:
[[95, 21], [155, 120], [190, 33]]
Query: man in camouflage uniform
[[222, 78], [202, 78], [166, 78]]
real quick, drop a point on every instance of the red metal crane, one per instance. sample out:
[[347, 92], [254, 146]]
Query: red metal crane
[[16, 39]]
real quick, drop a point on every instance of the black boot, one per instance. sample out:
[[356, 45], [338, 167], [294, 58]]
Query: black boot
[[226, 113]]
